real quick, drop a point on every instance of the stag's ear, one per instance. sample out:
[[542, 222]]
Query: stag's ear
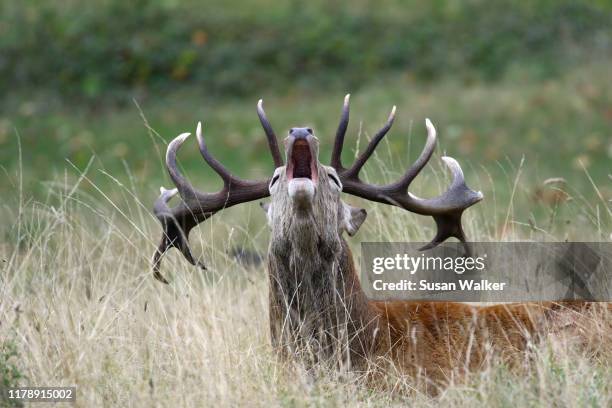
[[352, 218]]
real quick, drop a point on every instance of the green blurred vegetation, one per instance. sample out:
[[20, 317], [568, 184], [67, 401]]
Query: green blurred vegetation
[[10, 374], [560, 127], [113, 47]]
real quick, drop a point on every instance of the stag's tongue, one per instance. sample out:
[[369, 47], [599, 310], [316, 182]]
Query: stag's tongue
[[301, 158]]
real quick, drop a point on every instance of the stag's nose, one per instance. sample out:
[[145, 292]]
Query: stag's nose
[[300, 133]]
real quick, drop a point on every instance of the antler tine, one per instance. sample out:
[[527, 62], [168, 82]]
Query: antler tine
[[455, 168], [336, 157], [448, 226], [272, 142], [446, 209], [161, 207], [430, 145], [184, 188], [363, 157], [216, 165], [461, 197], [176, 223], [196, 207]]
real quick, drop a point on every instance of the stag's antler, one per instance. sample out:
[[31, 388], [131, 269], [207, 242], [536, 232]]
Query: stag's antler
[[196, 206], [446, 209]]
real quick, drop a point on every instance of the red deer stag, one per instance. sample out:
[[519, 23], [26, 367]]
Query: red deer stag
[[317, 307]]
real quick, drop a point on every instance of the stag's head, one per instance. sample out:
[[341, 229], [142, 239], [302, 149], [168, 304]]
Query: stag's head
[[305, 194]]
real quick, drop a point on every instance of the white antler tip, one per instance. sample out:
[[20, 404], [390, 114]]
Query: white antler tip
[[347, 97], [453, 165], [450, 162], [165, 191], [181, 138], [260, 103], [393, 110], [430, 127], [199, 130]]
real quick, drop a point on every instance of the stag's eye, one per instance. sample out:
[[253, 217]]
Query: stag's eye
[[335, 180], [274, 180]]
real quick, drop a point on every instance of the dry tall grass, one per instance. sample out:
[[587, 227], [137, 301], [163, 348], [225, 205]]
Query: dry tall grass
[[79, 305]]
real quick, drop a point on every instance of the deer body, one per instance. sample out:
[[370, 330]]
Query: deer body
[[318, 311]]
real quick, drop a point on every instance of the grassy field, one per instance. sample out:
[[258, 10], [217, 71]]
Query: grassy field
[[78, 304]]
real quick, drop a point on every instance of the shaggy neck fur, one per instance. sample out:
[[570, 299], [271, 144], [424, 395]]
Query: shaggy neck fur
[[317, 307]]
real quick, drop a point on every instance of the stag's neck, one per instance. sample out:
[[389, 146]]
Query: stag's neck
[[316, 299]]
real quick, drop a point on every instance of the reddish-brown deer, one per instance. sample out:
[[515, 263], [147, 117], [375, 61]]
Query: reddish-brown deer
[[317, 307]]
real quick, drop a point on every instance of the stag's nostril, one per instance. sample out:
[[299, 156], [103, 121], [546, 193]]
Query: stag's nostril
[[300, 132]]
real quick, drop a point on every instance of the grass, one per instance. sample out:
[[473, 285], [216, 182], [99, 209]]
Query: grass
[[78, 303], [81, 307]]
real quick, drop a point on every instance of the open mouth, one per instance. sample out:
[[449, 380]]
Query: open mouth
[[301, 163]]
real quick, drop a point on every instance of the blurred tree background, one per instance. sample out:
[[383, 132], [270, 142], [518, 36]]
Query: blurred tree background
[[501, 80], [106, 48]]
